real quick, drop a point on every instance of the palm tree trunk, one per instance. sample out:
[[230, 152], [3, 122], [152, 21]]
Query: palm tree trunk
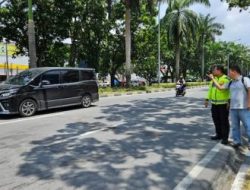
[[128, 43], [177, 59], [202, 62], [112, 78], [31, 37]]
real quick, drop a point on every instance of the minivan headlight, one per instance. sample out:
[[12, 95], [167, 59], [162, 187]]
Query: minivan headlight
[[8, 93]]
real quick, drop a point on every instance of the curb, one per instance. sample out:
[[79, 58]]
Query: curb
[[211, 172], [241, 175], [144, 92], [225, 164], [227, 170]]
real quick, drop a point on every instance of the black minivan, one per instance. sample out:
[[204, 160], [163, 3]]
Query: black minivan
[[48, 87]]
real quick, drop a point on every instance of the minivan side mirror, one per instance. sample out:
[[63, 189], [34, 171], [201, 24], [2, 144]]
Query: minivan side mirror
[[44, 82]]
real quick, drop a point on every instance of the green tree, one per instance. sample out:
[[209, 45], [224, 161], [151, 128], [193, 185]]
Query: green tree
[[244, 4], [180, 22], [145, 46], [228, 53], [13, 26], [113, 44], [207, 29], [131, 6], [56, 20], [83, 22]]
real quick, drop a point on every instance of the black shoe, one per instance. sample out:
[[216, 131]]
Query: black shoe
[[225, 142], [215, 137], [237, 145]]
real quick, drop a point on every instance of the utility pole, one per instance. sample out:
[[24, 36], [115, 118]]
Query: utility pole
[[159, 43], [31, 36], [242, 67], [7, 59]]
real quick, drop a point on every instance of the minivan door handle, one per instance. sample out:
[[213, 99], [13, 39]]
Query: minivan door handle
[[61, 87]]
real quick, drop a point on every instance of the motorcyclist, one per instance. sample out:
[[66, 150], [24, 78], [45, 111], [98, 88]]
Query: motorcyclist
[[182, 82]]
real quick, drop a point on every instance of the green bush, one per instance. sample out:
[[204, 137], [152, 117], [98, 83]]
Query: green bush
[[145, 88], [163, 85], [120, 90], [197, 83]]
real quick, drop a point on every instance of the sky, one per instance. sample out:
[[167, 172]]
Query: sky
[[237, 24]]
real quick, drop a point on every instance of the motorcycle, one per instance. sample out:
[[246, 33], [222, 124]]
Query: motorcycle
[[180, 90]]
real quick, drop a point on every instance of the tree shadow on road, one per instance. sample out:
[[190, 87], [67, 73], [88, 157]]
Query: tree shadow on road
[[142, 144]]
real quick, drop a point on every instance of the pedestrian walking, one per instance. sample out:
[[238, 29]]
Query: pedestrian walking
[[220, 104], [239, 102]]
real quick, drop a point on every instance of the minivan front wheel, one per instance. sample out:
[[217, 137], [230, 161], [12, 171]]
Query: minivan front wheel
[[86, 101], [27, 108]]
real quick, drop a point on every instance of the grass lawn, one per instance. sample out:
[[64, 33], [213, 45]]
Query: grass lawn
[[247, 181]]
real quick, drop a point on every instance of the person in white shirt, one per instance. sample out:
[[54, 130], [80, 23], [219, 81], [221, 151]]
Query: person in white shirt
[[239, 102]]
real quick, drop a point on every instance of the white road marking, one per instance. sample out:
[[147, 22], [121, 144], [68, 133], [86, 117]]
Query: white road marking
[[31, 118], [83, 135], [90, 133], [187, 181], [240, 178]]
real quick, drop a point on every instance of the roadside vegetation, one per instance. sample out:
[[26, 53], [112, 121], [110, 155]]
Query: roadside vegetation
[[119, 38], [247, 181], [154, 87]]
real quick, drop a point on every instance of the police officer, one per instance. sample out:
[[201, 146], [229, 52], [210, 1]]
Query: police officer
[[220, 105]]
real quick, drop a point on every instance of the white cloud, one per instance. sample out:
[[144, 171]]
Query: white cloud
[[237, 24]]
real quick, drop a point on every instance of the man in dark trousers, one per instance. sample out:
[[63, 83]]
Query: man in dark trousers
[[220, 105], [240, 103]]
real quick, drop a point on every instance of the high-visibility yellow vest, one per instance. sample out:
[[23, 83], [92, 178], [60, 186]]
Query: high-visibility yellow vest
[[217, 96]]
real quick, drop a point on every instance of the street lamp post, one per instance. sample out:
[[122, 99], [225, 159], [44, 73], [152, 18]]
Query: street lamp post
[[159, 43], [242, 67], [228, 55], [31, 37]]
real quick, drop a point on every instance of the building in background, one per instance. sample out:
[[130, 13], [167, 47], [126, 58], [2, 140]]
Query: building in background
[[9, 64]]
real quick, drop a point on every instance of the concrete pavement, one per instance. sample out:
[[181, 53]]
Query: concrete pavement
[[149, 141]]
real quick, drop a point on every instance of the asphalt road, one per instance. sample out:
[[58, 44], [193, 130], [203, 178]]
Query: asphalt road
[[139, 142]]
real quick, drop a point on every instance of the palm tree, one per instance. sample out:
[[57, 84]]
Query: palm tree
[[1, 2], [130, 5], [180, 22], [31, 37], [207, 30]]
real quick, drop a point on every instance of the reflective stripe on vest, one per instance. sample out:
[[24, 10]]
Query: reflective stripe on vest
[[219, 101]]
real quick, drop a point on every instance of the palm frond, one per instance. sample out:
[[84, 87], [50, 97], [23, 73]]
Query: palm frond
[[188, 3]]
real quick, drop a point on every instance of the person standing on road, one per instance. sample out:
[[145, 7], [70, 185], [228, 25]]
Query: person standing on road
[[220, 105], [240, 102]]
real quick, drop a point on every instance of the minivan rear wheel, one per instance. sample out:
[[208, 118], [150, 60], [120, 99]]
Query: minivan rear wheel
[[86, 101], [27, 108]]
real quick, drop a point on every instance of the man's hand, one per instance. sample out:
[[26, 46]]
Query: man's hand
[[206, 103], [211, 76]]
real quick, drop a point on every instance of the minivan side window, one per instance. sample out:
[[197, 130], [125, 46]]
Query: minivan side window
[[36, 81], [52, 77], [69, 76], [87, 75]]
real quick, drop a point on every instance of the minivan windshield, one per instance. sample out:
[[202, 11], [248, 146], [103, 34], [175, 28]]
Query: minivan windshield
[[23, 78]]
